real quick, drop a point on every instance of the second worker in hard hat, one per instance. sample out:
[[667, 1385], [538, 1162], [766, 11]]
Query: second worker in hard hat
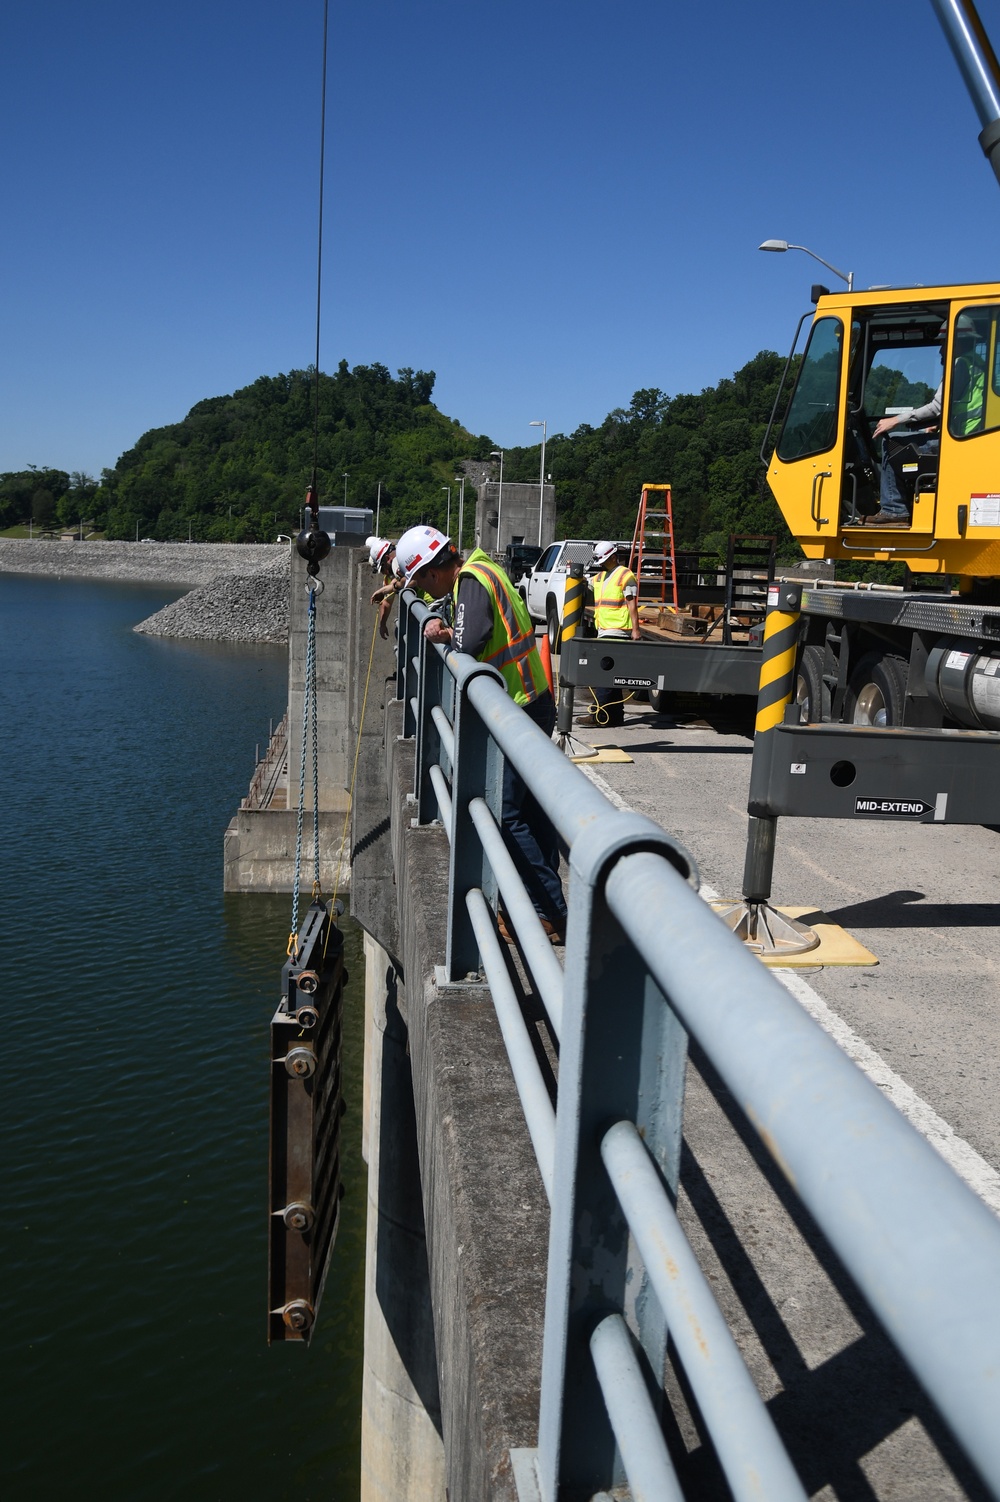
[[492, 624], [616, 614], [382, 553]]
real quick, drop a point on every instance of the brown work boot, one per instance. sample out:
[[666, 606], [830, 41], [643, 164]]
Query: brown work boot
[[887, 519]]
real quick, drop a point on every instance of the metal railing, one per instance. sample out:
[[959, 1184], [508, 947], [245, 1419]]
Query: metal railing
[[270, 769], [646, 964]]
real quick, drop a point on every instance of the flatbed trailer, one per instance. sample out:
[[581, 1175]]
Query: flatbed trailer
[[661, 666]]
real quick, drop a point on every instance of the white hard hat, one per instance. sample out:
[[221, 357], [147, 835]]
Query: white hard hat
[[377, 549], [603, 551], [418, 547]]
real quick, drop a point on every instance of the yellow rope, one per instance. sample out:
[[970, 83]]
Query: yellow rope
[[354, 773]]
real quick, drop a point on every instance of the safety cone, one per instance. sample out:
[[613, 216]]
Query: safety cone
[[546, 656]]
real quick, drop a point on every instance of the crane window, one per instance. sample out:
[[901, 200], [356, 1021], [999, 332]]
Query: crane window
[[901, 377], [974, 377], [811, 423]]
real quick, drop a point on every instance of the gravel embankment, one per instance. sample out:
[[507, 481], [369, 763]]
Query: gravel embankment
[[241, 591], [233, 607]]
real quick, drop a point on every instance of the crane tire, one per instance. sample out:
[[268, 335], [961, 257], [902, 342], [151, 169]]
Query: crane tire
[[876, 691]]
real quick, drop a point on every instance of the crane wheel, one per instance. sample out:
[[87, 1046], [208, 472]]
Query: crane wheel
[[554, 629], [812, 695], [876, 691]]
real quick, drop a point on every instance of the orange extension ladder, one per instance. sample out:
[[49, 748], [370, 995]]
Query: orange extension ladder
[[652, 559]]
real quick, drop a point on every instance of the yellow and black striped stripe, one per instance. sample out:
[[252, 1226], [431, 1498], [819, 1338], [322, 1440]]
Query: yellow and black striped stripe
[[777, 669], [573, 606]]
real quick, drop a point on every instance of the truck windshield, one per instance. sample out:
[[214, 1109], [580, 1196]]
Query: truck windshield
[[811, 423]]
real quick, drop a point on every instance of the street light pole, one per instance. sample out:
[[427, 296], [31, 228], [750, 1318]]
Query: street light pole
[[447, 525], [845, 276], [498, 454], [378, 507], [461, 509], [346, 478], [541, 476]]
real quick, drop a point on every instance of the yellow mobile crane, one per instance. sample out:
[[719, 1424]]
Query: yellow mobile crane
[[884, 703], [848, 450]]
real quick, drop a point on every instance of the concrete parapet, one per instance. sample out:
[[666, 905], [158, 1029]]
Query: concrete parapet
[[333, 651], [258, 852], [373, 899]]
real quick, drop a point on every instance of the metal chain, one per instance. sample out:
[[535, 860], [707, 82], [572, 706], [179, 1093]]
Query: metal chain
[[315, 762], [308, 701]]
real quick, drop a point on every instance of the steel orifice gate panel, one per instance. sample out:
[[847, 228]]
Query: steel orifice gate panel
[[306, 1106]]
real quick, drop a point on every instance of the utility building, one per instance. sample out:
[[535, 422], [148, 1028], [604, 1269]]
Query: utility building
[[500, 518]]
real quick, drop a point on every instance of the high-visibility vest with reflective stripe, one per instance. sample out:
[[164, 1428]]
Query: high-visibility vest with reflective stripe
[[967, 410], [611, 612], [511, 646]]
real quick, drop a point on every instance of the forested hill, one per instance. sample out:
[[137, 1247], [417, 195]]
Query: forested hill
[[707, 446], [236, 468]]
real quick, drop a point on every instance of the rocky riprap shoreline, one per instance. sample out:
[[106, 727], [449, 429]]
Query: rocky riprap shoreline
[[240, 593]]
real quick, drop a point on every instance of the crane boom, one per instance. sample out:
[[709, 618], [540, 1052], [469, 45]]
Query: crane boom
[[977, 63]]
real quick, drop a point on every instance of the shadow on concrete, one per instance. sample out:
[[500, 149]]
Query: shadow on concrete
[[676, 750], [829, 1417], [402, 1278], [899, 910]]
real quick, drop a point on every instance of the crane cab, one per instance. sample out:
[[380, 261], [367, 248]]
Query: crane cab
[[885, 353]]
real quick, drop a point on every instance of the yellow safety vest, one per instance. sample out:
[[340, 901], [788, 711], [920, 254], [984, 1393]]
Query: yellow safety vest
[[967, 409], [611, 612], [511, 646]]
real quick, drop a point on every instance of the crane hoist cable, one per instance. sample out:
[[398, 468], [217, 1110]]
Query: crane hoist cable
[[312, 544], [310, 723]]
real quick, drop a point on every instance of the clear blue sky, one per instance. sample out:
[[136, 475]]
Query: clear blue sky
[[549, 204]]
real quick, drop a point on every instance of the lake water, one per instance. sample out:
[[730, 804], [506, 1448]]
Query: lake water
[[134, 1103]]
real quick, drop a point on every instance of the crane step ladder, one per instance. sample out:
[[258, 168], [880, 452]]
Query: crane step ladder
[[653, 559], [750, 560]]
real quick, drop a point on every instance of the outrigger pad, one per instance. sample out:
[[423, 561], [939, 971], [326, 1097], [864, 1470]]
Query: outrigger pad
[[832, 945], [304, 1189]]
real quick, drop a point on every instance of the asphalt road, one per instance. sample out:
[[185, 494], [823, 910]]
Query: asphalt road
[[923, 1021]]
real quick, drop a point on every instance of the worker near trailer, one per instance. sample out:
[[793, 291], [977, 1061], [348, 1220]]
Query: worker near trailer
[[616, 615], [491, 623]]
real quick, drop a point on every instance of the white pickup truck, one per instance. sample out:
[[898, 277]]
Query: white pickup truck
[[544, 588]]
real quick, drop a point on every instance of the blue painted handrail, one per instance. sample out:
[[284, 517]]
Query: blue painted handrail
[[646, 964]]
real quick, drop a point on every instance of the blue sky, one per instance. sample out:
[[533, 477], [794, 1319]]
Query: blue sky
[[549, 204]]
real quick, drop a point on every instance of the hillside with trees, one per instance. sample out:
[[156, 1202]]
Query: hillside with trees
[[236, 468], [707, 446]]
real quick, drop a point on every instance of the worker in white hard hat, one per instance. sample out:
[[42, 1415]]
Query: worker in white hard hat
[[616, 614], [382, 554], [491, 623]]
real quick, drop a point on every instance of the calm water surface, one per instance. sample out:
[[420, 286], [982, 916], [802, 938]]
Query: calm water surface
[[134, 1108]]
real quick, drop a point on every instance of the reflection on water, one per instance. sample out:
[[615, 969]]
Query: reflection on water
[[134, 1113]]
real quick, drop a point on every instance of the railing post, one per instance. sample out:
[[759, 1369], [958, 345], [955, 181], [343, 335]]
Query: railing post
[[622, 1056], [402, 622], [409, 646], [477, 773], [429, 696]]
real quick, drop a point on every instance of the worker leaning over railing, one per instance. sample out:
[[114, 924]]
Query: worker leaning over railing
[[491, 623], [382, 554]]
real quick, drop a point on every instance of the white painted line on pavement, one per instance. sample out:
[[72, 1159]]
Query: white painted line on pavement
[[964, 1159], [956, 1152]]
